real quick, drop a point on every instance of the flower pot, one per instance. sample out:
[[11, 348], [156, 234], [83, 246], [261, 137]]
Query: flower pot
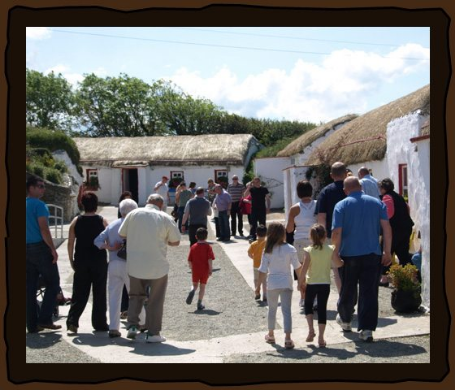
[[406, 301]]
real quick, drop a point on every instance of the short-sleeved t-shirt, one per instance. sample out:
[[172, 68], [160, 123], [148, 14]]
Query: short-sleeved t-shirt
[[359, 216], [35, 209], [256, 250], [279, 265], [200, 254], [328, 198], [184, 197], [258, 195]]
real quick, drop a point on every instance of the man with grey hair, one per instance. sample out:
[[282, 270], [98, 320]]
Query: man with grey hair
[[368, 182], [149, 231], [117, 275], [196, 211]]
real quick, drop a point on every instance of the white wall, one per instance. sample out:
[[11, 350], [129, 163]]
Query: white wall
[[379, 168], [291, 176], [270, 170], [61, 155], [110, 179], [400, 150]]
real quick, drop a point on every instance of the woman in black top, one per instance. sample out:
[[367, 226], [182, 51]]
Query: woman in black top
[[89, 265], [400, 222]]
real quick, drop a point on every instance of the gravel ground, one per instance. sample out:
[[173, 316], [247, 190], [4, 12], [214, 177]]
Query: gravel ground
[[230, 310]]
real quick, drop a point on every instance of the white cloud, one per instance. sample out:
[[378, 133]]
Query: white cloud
[[342, 83], [38, 32], [73, 78]]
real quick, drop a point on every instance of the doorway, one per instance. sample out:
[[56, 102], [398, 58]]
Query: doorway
[[130, 182]]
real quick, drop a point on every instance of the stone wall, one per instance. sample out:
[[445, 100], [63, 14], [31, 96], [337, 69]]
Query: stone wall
[[63, 196]]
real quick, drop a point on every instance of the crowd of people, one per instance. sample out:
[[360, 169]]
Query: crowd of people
[[351, 229]]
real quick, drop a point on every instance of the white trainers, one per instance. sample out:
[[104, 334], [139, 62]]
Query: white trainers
[[132, 332], [302, 303], [154, 339], [346, 326], [366, 335]]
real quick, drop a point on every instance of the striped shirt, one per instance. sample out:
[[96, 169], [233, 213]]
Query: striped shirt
[[236, 191]]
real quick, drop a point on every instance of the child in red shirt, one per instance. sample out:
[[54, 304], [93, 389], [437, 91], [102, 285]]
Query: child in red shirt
[[200, 261]]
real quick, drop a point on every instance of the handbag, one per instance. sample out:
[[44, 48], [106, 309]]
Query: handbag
[[121, 253]]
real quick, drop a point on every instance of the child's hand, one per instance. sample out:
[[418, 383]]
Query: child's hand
[[302, 287]]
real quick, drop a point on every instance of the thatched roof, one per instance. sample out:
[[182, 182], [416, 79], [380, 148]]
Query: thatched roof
[[225, 149], [364, 138], [298, 145]]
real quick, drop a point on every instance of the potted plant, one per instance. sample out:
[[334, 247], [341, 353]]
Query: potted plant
[[406, 294]]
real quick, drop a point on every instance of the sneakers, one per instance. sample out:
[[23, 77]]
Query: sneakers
[[366, 335], [190, 297], [302, 303], [132, 332], [200, 306], [257, 297], [346, 326], [154, 339]]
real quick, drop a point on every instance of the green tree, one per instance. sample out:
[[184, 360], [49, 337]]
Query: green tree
[[184, 115], [118, 106], [49, 101]]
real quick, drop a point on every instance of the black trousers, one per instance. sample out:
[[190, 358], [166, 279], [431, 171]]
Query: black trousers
[[89, 274], [257, 218], [322, 292], [236, 214], [192, 232], [400, 246]]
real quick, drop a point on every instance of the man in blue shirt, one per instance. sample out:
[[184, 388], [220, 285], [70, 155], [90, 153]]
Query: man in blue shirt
[[41, 259], [356, 227], [369, 183], [223, 204]]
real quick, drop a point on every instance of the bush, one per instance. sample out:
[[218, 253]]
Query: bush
[[61, 166], [54, 176], [52, 140], [36, 169], [403, 278]]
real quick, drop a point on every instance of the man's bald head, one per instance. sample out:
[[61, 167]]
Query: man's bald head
[[351, 184], [338, 171]]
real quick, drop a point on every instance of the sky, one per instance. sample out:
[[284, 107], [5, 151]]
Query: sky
[[305, 74]]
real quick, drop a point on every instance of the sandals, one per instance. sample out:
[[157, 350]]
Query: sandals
[[289, 344], [310, 337], [269, 339], [322, 344]]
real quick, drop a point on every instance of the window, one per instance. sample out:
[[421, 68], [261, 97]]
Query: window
[[403, 180], [92, 178], [221, 177], [176, 178]]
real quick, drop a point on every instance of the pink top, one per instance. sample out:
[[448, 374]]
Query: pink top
[[388, 201]]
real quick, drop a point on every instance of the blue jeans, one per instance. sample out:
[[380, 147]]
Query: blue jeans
[[363, 271], [223, 219], [39, 262], [181, 211]]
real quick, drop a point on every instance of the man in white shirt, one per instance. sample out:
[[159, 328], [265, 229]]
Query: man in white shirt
[[162, 189], [368, 182], [148, 231]]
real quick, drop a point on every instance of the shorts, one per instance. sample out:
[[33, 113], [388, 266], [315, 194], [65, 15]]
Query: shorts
[[200, 277]]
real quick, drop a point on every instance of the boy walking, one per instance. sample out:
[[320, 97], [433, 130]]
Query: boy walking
[[255, 251], [200, 261]]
